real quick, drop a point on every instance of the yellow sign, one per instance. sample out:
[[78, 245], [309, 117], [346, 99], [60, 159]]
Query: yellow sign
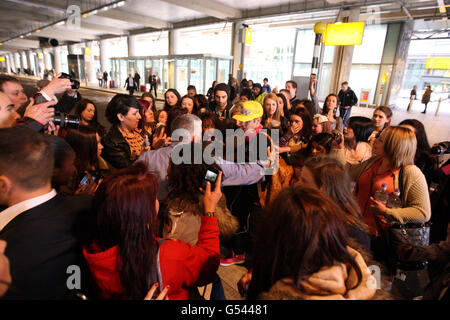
[[383, 80], [39, 55], [241, 66], [344, 34], [2, 59], [87, 51], [248, 36], [438, 63]]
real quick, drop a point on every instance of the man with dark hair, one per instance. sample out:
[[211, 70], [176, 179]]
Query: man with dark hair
[[291, 86], [42, 228], [221, 104], [8, 115], [348, 99], [266, 87]]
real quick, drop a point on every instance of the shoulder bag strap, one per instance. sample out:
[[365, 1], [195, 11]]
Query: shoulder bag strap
[[158, 264]]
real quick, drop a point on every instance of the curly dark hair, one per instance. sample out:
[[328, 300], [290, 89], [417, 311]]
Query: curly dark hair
[[185, 179]]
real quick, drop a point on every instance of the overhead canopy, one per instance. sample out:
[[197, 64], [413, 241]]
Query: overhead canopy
[[22, 20]]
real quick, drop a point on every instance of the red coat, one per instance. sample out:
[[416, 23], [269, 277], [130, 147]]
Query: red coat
[[182, 265]]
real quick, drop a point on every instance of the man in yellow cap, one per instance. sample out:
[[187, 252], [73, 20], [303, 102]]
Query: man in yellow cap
[[246, 205], [249, 119]]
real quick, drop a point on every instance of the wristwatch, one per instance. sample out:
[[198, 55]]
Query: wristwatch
[[209, 214]]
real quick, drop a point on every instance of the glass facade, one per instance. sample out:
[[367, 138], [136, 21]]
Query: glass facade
[[304, 50], [270, 55], [366, 63], [177, 71]]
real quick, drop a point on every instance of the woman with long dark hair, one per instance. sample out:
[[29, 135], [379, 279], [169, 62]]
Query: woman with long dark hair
[[329, 109], [148, 122], [87, 111], [172, 98], [88, 148], [295, 141], [423, 158], [356, 135], [330, 176], [125, 256], [311, 257]]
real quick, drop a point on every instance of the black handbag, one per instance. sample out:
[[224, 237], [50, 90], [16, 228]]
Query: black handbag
[[416, 234], [411, 277]]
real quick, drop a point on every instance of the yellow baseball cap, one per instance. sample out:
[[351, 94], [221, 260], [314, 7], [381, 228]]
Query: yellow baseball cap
[[250, 110]]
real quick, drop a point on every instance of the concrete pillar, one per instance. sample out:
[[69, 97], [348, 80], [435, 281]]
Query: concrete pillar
[[404, 40], [132, 46], [238, 49], [57, 55], [8, 64], [104, 65], [29, 56], [343, 55], [23, 60], [12, 60], [173, 41], [72, 49], [90, 62], [17, 60], [47, 60]]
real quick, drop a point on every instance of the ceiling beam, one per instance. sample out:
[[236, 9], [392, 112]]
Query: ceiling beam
[[210, 8], [104, 29], [134, 18], [59, 35], [23, 43]]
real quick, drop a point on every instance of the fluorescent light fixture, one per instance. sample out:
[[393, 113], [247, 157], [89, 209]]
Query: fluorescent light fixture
[[60, 23]]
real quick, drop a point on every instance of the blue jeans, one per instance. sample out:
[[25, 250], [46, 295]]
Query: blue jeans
[[345, 114], [217, 292]]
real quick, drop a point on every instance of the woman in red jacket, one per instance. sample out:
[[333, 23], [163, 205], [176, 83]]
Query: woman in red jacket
[[124, 255]]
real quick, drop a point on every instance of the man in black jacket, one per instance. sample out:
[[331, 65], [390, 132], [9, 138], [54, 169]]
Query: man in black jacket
[[42, 229], [348, 99]]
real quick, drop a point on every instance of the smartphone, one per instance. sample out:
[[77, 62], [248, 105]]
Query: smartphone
[[211, 176], [85, 180]]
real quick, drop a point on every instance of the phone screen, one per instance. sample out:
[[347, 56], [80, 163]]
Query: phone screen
[[211, 176]]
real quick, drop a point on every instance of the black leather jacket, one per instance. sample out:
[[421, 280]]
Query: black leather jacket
[[116, 150]]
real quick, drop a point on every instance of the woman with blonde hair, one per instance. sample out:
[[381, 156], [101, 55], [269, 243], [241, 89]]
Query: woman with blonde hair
[[393, 168], [272, 118]]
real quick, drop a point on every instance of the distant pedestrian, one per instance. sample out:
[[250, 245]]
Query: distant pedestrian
[[348, 99], [412, 97], [99, 78], [426, 98], [266, 87], [137, 79], [105, 79], [153, 83], [130, 84]]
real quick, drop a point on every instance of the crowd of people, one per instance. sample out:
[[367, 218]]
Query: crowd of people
[[130, 222]]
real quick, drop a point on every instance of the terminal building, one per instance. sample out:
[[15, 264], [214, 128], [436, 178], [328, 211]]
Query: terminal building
[[196, 42]]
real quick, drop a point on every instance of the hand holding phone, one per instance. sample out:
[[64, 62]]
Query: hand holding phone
[[211, 176]]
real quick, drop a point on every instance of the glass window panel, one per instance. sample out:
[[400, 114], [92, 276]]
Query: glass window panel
[[302, 69], [364, 77], [210, 70], [224, 68], [305, 45], [182, 76], [270, 55], [196, 75], [371, 48]]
